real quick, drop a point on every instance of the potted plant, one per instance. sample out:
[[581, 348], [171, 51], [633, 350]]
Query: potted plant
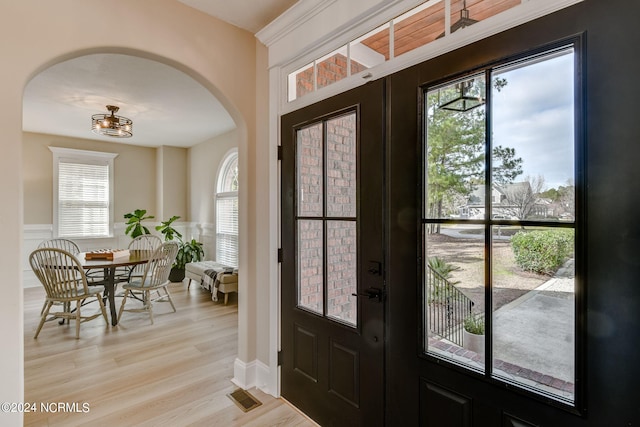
[[190, 251], [166, 229], [134, 223], [473, 334]]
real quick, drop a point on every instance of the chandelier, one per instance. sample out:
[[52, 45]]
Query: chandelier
[[112, 125]]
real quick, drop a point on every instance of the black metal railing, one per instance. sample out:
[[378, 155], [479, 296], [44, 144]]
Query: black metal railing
[[447, 307]]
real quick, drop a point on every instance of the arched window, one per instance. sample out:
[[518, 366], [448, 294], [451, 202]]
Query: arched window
[[227, 211]]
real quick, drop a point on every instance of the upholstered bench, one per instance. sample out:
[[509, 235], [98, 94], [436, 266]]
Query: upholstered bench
[[211, 275]]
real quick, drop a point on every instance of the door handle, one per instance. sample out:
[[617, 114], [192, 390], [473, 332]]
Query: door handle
[[371, 293]]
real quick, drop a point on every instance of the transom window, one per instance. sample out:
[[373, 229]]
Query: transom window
[[83, 193], [227, 211], [499, 227], [429, 22]]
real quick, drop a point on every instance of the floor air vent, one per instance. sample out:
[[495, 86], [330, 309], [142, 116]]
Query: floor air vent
[[244, 400]]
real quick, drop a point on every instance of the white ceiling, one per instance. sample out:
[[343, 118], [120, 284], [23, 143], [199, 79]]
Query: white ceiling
[[252, 15], [167, 106]]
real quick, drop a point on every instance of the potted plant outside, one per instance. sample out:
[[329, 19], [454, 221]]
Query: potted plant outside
[[190, 251], [473, 334]]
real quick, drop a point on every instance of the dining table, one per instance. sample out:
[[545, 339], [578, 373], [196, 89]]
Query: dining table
[[109, 267]]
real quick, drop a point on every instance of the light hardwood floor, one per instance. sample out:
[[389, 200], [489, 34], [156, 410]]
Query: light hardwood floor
[[175, 372]]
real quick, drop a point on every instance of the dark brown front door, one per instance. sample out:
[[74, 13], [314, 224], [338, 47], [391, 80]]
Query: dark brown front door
[[332, 267], [456, 229]]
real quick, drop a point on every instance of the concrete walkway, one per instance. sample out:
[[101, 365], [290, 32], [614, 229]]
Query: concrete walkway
[[536, 331], [534, 335]]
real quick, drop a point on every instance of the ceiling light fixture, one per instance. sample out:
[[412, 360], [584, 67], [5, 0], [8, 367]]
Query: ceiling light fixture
[[112, 125], [463, 22], [464, 100]]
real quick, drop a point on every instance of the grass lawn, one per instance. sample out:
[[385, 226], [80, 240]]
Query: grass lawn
[[508, 280]]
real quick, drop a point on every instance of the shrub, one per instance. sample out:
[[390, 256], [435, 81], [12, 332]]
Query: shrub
[[542, 251], [442, 267], [439, 290]]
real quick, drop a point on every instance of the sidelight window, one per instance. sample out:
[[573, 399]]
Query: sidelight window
[[499, 222]]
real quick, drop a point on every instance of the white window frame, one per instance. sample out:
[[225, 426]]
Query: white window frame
[[87, 157], [224, 194]]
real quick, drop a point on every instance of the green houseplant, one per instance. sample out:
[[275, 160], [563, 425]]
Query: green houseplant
[[134, 223], [189, 251], [166, 229]]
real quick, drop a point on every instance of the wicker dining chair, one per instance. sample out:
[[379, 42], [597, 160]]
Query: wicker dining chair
[[154, 279], [60, 243], [94, 277], [65, 282]]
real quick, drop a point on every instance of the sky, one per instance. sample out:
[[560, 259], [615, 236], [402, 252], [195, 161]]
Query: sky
[[534, 114]]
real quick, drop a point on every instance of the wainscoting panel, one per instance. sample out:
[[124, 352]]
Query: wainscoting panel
[[32, 235], [206, 233]]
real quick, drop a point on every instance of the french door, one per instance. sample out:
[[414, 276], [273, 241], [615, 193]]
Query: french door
[[333, 293], [461, 134]]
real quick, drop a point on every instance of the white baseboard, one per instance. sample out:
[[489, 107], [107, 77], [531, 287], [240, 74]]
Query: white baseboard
[[244, 374], [262, 377], [253, 374]]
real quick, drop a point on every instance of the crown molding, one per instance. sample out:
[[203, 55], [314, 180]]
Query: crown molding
[[291, 19]]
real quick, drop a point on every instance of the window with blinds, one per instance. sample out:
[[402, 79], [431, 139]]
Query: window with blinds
[[227, 230], [227, 211], [83, 193]]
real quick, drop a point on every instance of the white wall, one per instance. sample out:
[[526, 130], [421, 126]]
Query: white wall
[[172, 180], [204, 166], [142, 176], [132, 165], [35, 35]]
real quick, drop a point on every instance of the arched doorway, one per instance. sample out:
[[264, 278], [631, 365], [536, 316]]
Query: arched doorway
[[170, 33]]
